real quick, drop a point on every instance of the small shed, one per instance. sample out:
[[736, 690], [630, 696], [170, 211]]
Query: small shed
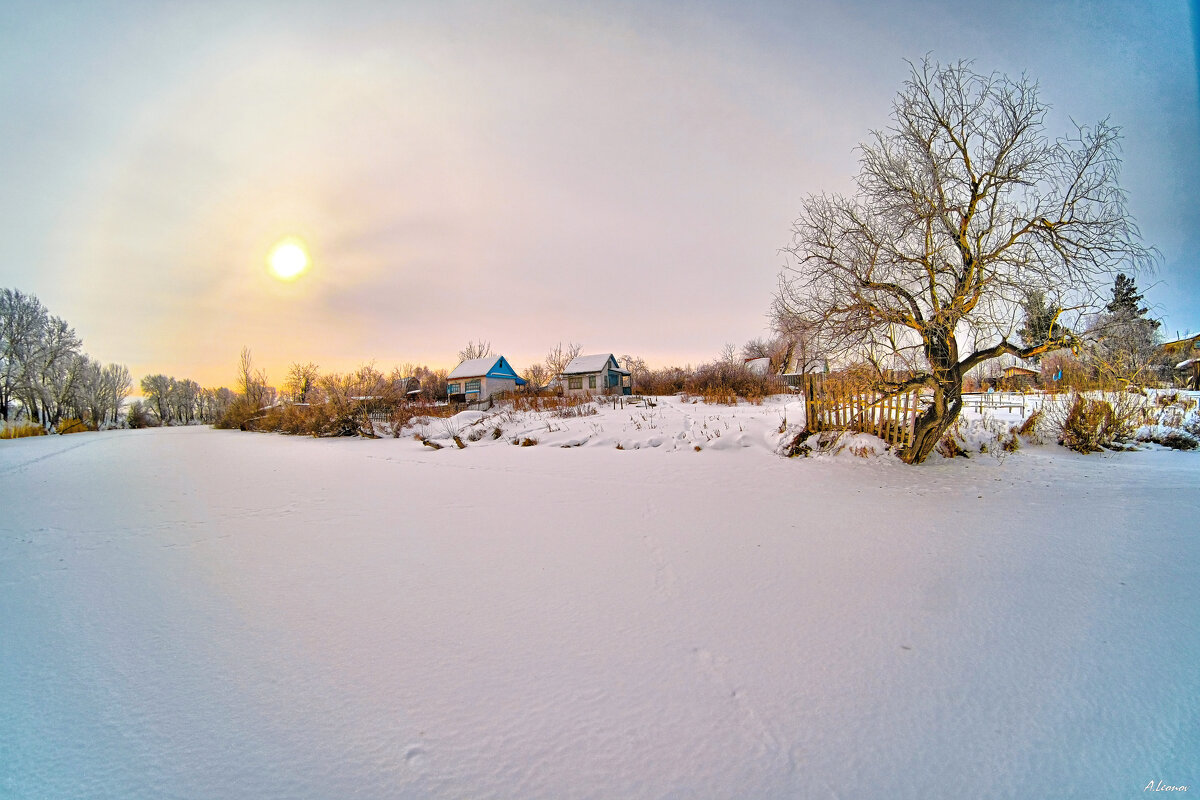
[[595, 374], [407, 388], [1017, 377], [478, 379]]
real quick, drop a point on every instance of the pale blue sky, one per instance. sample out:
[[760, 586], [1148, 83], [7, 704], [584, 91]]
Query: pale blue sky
[[618, 174]]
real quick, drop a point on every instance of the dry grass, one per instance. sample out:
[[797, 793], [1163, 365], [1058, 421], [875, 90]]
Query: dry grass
[[562, 406], [1030, 425], [73, 425], [571, 412], [21, 430]]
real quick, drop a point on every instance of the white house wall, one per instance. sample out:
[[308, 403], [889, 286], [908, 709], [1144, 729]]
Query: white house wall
[[491, 386]]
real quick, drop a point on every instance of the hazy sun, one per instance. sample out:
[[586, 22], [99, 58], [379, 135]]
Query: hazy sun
[[288, 259]]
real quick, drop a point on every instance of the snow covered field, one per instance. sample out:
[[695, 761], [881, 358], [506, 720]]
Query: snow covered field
[[199, 614]]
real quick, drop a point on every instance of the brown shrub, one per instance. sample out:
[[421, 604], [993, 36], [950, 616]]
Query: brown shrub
[[1087, 426], [240, 411], [724, 383]]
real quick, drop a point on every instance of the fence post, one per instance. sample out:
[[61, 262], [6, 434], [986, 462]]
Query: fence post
[[911, 420], [809, 402]]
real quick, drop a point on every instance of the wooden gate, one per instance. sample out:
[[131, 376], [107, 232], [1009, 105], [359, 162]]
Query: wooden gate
[[832, 407]]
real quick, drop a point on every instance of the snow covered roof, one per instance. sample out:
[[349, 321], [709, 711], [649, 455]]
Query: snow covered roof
[[474, 367], [593, 363], [759, 366], [1186, 338], [488, 366]]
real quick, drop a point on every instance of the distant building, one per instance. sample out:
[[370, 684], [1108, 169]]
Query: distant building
[[407, 387], [1187, 350], [1188, 342], [1017, 377], [479, 378], [595, 374]]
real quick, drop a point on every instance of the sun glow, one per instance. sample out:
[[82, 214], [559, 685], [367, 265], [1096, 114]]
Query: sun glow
[[288, 259]]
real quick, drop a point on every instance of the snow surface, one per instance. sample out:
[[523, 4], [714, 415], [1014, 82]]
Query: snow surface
[[195, 613]]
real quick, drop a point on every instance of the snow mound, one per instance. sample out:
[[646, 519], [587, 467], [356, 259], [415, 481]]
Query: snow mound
[[665, 424]]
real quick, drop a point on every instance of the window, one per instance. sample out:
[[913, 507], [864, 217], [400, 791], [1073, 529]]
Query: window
[[613, 380], [471, 386], [575, 382], [591, 381], [451, 388]]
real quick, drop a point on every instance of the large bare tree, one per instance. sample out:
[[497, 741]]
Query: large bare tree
[[301, 379], [558, 358], [964, 205], [475, 349]]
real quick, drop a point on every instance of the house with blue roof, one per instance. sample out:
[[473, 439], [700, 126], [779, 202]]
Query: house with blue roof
[[478, 379]]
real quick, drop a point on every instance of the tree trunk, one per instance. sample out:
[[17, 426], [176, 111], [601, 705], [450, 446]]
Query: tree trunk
[[934, 422], [941, 350]]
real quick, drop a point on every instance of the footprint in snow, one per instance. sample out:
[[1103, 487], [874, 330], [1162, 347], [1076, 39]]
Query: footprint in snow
[[416, 758]]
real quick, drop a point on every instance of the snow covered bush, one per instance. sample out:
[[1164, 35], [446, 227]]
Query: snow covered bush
[[860, 445], [138, 416], [1175, 438], [1175, 423]]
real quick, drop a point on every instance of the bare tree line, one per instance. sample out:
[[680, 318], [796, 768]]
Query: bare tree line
[[45, 373], [178, 401]]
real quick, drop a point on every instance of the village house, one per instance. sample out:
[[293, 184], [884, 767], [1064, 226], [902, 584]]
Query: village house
[[478, 379], [595, 374], [1185, 351]]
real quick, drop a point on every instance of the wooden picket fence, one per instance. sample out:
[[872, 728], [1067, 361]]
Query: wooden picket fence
[[891, 417]]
